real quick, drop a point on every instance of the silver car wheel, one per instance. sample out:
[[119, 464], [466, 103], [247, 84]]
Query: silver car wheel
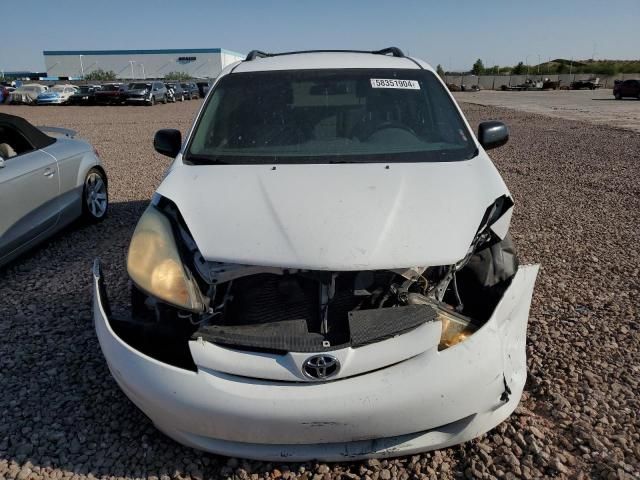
[[95, 195]]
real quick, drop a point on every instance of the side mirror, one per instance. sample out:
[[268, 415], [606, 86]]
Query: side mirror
[[492, 134], [168, 142]]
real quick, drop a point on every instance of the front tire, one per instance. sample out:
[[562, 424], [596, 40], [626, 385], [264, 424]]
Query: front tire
[[164, 100], [618, 96], [182, 98], [95, 196]]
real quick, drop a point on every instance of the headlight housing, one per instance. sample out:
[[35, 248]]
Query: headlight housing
[[155, 266], [455, 328]]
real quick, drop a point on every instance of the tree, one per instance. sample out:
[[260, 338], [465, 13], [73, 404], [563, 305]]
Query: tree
[[518, 69], [440, 71], [478, 68], [180, 76], [101, 75]]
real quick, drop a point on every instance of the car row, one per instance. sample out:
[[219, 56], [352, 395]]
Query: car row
[[114, 93]]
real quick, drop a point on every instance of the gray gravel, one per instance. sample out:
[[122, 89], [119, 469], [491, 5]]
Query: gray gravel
[[577, 213]]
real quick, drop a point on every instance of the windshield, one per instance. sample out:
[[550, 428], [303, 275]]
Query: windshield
[[85, 89], [58, 88], [111, 88], [139, 86], [326, 116]]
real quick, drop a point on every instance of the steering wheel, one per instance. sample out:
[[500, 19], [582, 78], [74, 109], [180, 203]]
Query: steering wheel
[[389, 124]]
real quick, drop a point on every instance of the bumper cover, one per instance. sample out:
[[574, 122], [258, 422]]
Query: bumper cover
[[433, 400]]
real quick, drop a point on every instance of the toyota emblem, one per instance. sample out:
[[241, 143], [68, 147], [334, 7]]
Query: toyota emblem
[[320, 367]]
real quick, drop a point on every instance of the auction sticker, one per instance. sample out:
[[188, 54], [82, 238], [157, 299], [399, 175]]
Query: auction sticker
[[395, 83]]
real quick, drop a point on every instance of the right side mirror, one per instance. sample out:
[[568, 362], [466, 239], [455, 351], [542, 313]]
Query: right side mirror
[[168, 142], [492, 134]]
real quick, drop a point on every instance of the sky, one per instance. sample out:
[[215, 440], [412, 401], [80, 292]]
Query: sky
[[453, 33]]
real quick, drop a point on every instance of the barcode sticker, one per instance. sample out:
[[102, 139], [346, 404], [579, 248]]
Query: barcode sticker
[[395, 83]]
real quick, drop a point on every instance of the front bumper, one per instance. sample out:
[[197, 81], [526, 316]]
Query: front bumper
[[433, 400], [50, 101], [138, 99]]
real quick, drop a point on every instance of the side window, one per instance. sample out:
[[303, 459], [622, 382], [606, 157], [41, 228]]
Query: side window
[[12, 142]]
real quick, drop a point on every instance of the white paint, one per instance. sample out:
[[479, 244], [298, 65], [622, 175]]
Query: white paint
[[298, 421], [335, 217]]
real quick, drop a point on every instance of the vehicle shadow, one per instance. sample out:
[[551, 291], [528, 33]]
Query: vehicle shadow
[[614, 99]]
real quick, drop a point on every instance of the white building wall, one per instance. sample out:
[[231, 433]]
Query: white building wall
[[139, 64]]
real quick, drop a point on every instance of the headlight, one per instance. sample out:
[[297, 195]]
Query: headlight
[[155, 266], [455, 328]]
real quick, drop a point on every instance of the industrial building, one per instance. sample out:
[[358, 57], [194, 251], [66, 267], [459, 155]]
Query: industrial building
[[139, 64]]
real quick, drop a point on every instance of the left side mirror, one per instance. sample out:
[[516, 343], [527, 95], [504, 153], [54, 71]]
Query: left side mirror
[[492, 134], [168, 142]]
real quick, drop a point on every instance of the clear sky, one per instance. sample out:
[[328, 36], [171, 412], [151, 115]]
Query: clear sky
[[453, 33]]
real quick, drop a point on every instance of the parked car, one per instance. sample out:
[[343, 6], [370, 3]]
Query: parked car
[[5, 92], [329, 246], [27, 94], [85, 95], [626, 88], [56, 95], [591, 84], [148, 93], [203, 88], [191, 90], [46, 182], [177, 93], [111, 94]]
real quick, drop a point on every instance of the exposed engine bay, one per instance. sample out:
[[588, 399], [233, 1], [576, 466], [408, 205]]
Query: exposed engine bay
[[279, 310]]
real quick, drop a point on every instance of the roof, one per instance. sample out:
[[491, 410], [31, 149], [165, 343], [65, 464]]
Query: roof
[[329, 60], [141, 52], [35, 136]]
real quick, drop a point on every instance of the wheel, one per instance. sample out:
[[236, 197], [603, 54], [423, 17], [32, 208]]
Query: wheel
[[182, 97], [618, 96], [152, 100], [164, 100], [95, 197]]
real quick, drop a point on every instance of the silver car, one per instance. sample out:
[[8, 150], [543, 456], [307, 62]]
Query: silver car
[[46, 182]]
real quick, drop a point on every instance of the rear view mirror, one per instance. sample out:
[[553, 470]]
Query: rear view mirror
[[492, 134], [168, 142]]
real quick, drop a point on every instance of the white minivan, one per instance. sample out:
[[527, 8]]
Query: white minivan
[[325, 272]]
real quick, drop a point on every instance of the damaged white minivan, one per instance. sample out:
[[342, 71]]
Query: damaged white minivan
[[325, 272]]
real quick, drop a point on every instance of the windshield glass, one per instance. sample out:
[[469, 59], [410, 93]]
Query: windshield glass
[[140, 86], [111, 88], [85, 89], [58, 88], [320, 116]]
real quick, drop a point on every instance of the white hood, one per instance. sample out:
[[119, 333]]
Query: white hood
[[335, 217]]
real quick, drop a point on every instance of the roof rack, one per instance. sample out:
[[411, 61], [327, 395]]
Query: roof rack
[[394, 51]]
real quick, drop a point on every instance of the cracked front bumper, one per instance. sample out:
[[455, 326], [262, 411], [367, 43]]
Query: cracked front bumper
[[433, 400]]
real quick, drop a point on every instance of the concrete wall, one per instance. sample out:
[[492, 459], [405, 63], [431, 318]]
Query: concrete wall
[[128, 64], [494, 82]]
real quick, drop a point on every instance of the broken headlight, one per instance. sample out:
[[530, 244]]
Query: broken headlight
[[455, 328], [155, 266]]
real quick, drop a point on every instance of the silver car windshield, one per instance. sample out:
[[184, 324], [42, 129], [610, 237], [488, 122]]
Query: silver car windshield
[[327, 116]]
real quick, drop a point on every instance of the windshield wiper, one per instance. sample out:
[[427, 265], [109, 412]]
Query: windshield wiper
[[204, 160]]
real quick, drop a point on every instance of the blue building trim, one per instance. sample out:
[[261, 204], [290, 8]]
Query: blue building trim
[[139, 52]]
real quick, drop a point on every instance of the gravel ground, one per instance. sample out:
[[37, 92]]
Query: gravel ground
[[577, 213]]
